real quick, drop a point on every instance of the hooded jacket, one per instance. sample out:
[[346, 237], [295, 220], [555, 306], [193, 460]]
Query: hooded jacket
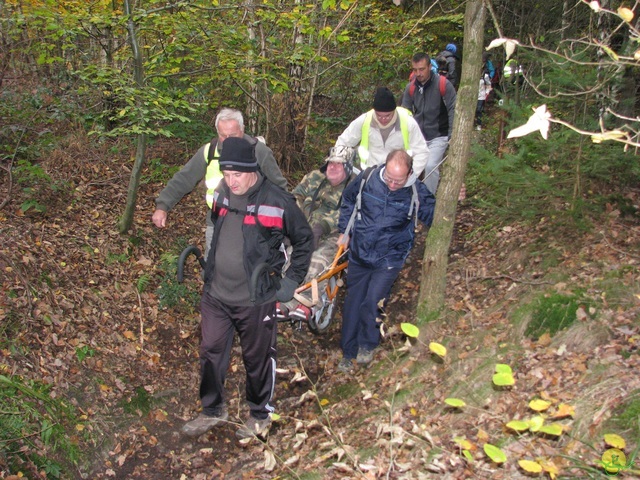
[[383, 233]]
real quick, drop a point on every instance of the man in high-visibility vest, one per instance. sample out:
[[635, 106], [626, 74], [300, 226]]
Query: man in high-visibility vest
[[383, 129], [204, 165]]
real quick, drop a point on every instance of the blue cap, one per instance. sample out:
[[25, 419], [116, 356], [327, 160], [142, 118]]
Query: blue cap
[[451, 48]]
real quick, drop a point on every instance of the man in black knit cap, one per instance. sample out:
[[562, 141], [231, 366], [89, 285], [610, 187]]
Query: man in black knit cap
[[243, 281]]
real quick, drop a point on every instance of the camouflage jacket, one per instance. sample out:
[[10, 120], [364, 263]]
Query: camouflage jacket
[[319, 201]]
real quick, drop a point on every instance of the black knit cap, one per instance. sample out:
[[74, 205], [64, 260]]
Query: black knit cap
[[384, 100], [238, 155]]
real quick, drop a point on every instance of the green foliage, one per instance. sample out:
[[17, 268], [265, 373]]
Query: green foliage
[[36, 429], [143, 282], [171, 294], [84, 352], [552, 313], [140, 403], [158, 172]]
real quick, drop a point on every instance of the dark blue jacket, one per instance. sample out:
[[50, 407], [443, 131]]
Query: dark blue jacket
[[384, 234]]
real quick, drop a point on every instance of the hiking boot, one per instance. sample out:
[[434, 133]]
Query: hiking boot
[[365, 356], [203, 423], [345, 365], [254, 428], [301, 313]]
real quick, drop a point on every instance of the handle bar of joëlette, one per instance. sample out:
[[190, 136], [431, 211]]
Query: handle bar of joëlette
[[339, 264], [191, 249]]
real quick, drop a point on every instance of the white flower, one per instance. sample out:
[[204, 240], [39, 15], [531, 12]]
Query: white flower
[[539, 121]]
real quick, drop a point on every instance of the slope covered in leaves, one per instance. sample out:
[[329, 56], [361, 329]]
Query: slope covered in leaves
[[83, 315]]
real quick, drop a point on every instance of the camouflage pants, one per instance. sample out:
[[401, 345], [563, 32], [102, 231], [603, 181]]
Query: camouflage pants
[[322, 258]]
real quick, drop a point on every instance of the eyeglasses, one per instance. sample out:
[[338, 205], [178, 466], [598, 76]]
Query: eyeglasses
[[391, 181], [384, 116]]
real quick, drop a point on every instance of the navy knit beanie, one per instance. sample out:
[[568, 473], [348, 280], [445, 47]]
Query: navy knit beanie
[[238, 155], [384, 100]]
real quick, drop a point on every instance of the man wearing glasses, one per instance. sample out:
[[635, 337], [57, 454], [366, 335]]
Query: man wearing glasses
[[385, 128], [377, 221]]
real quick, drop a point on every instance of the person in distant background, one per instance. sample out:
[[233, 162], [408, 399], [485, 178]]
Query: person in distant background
[[484, 90], [447, 62], [204, 165]]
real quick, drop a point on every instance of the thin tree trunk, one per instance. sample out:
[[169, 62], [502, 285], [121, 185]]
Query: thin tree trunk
[[434, 268], [141, 142]]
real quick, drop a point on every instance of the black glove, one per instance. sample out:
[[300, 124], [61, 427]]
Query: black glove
[[286, 290]]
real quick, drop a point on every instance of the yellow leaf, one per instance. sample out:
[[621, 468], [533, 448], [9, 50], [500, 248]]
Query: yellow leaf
[[615, 441], [530, 466], [274, 417], [438, 349], [613, 460], [564, 410], [324, 402], [463, 443], [539, 405], [549, 467], [625, 14], [518, 425], [129, 335], [79, 427]]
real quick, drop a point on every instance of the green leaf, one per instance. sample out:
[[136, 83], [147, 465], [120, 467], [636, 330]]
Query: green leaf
[[467, 455], [503, 379], [503, 368], [454, 402], [552, 429], [410, 330], [518, 425], [535, 423], [494, 453]]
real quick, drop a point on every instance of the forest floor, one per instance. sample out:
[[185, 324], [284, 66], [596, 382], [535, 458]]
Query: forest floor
[[76, 285]]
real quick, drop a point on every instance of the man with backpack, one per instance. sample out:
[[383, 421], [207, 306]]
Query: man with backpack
[[432, 100], [378, 218], [204, 165], [243, 281]]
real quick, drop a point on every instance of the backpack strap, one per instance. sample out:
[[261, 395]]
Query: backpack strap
[[210, 153], [356, 210], [443, 85]]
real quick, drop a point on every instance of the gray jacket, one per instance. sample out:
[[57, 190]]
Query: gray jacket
[[425, 102]]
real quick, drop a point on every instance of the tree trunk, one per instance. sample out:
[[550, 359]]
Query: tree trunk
[[141, 142], [434, 268]]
